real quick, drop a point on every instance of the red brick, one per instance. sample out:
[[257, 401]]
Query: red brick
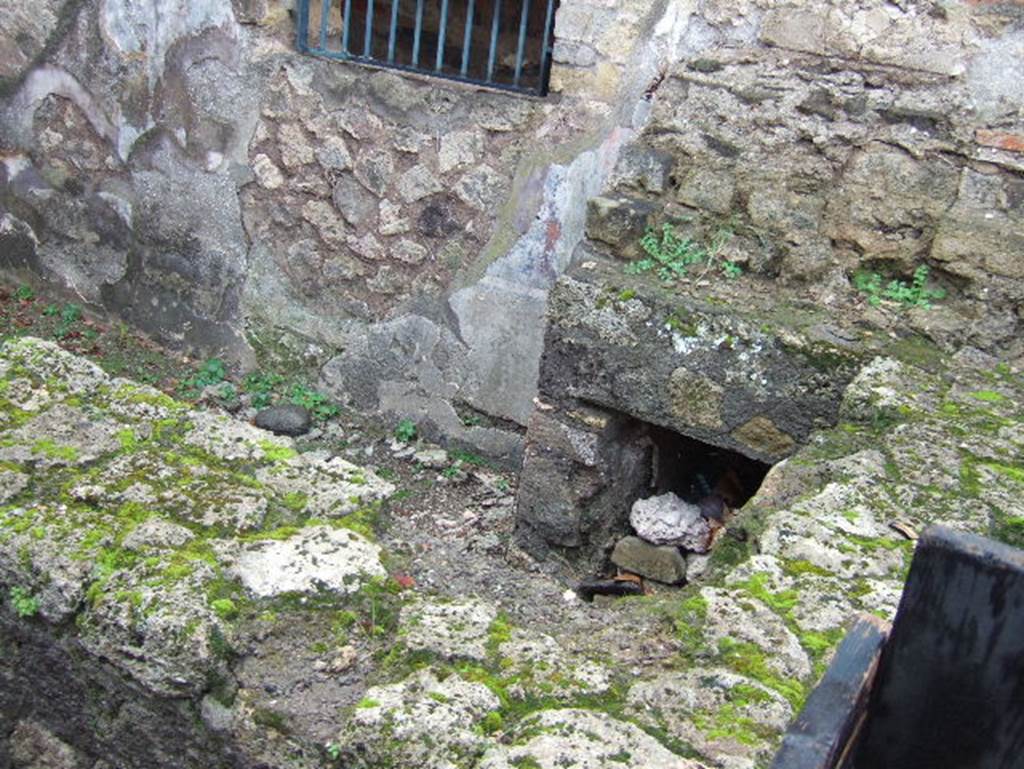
[[1002, 140]]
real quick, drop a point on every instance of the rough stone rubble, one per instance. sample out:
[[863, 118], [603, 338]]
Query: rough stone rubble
[[176, 585], [161, 532]]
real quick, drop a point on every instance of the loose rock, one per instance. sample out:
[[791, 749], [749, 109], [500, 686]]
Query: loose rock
[[319, 557], [458, 629], [668, 520], [433, 458], [285, 419], [663, 563], [582, 739]]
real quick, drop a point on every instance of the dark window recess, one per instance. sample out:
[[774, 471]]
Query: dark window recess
[[499, 43]]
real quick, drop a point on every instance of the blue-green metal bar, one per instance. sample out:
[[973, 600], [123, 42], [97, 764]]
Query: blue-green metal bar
[[441, 33], [394, 30], [302, 28], [495, 27], [523, 19], [467, 37], [417, 34], [545, 51], [368, 37], [408, 68], [325, 10], [345, 26]]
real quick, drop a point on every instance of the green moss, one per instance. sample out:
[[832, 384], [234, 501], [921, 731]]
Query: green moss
[[1010, 531], [681, 322], [277, 533], [729, 723], [919, 352], [271, 719], [525, 762], [108, 562], [818, 644], [224, 608], [875, 543], [363, 521], [689, 623], [127, 439], [25, 604], [178, 571], [799, 568], [366, 703], [295, 501], [988, 396], [1014, 472], [751, 661], [48, 448], [781, 602], [860, 588], [970, 481], [131, 597], [498, 633], [277, 453]]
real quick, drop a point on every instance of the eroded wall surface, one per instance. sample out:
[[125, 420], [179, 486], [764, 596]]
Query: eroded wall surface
[[831, 138], [178, 163]]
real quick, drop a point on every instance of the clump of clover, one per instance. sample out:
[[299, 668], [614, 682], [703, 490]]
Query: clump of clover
[[913, 294], [671, 255]]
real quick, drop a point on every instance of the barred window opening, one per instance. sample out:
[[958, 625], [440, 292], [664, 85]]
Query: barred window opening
[[499, 43]]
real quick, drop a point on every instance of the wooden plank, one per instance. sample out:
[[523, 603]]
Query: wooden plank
[[950, 689], [817, 738]]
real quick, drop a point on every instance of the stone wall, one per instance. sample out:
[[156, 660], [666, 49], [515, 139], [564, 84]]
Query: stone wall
[[624, 359], [179, 164], [812, 141], [830, 138]]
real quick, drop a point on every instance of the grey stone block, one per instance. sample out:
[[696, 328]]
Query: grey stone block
[[662, 563]]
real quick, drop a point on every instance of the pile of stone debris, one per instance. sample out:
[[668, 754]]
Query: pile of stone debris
[[672, 541]]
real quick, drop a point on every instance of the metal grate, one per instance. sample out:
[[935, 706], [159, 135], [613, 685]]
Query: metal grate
[[499, 44]]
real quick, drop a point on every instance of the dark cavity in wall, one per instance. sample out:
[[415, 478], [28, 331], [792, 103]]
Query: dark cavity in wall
[[692, 492], [700, 473], [585, 466]]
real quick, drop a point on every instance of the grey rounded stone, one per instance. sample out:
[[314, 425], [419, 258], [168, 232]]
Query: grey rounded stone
[[668, 520], [287, 419]]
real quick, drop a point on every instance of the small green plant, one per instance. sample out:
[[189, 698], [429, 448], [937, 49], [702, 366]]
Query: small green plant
[[913, 294], [731, 270], [492, 722], [319, 406], [23, 602], [405, 431], [462, 457], [333, 750], [24, 293], [211, 372], [261, 386], [224, 608], [671, 255], [70, 314]]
